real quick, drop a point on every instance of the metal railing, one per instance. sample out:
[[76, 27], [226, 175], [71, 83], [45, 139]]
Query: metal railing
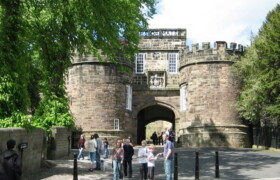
[[268, 137]]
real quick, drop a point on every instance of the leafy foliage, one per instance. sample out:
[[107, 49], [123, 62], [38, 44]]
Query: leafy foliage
[[53, 111], [259, 71], [39, 38], [13, 61]]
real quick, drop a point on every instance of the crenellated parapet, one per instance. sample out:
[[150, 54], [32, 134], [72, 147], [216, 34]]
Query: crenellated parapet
[[220, 53], [162, 39], [164, 33]]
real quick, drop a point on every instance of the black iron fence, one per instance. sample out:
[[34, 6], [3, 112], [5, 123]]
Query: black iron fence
[[268, 137]]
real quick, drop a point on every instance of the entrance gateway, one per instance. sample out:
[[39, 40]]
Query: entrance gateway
[[192, 89]]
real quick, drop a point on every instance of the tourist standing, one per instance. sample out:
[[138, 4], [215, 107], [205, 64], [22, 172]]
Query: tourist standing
[[98, 152], [10, 163], [92, 151], [151, 162], [128, 153], [160, 141], [105, 148], [168, 156], [166, 131], [117, 158], [81, 146], [154, 138], [143, 160]]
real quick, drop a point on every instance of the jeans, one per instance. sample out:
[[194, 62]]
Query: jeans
[[106, 153], [168, 169], [98, 161], [81, 155], [129, 164], [117, 168], [92, 156]]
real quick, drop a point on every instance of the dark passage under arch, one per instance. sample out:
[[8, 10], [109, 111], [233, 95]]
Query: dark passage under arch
[[151, 114]]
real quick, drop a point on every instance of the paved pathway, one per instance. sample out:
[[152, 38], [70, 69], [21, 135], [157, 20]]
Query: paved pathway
[[235, 164]]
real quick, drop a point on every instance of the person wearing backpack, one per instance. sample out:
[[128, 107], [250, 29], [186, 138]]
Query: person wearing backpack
[[10, 163]]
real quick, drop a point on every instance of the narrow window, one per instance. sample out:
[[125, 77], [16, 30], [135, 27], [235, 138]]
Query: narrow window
[[116, 124], [128, 95], [172, 62], [183, 97], [139, 63]]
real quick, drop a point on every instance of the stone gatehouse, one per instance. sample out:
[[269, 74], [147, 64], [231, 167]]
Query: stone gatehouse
[[192, 89]]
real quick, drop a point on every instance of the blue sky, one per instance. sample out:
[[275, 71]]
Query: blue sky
[[213, 20]]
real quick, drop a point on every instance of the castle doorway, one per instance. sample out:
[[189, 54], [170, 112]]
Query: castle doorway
[[151, 114]]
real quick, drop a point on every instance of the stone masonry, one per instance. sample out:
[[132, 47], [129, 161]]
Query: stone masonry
[[97, 97], [193, 89]]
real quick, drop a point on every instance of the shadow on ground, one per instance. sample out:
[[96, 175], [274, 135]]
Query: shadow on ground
[[235, 164]]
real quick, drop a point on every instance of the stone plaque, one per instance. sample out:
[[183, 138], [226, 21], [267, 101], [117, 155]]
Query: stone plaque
[[157, 79]]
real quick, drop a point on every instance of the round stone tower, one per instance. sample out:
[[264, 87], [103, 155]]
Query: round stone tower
[[208, 93], [98, 96]]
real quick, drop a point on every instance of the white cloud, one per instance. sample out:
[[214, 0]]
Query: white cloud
[[213, 20]]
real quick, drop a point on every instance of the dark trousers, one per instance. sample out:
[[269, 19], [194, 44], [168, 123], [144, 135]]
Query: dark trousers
[[129, 164], [151, 172], [143, 170], [160, 141]]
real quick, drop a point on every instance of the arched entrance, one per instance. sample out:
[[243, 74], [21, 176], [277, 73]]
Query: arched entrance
[[151, 114]]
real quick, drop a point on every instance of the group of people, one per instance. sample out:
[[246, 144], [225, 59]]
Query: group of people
[[122, 154], [122, 159], [95, 150], [157, 139], [10, 161]]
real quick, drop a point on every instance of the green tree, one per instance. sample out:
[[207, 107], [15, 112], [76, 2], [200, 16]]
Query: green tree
[[55, 29], [259, 71], [14, 65]]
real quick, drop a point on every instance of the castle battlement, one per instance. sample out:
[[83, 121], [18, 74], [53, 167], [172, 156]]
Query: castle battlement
[[164, 34], [218, 46], [220, 53]]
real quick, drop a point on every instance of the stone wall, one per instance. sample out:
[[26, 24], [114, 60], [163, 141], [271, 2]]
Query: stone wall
[[215, 136], [97, 92], [40, 147], [60, 143], [211, 93], [34, 153], [156, 44]]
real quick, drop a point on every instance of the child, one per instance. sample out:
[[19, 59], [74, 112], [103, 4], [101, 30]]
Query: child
[[105, 148], [151, 162]]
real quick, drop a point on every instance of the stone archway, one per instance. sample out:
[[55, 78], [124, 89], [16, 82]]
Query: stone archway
[[150, 114]]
